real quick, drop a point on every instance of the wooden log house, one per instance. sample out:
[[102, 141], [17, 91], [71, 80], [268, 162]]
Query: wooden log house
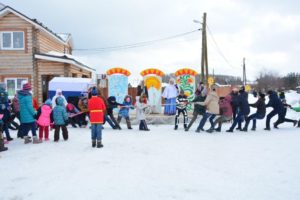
[[29, 51]]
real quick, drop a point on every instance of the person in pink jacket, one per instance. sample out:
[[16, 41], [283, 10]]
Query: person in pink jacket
[[225, 114], [44, 119]]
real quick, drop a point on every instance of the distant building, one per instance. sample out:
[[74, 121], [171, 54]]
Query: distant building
[[29, 51]]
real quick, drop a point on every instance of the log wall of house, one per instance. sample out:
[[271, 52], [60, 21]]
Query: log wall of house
[[46, 44], [15, 63]]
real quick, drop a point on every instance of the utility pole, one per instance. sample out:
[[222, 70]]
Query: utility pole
[[204, 58], [244, 72]]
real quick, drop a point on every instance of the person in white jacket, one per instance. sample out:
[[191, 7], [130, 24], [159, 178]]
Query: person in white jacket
[[170, 94], [58, 94], [140, 113]]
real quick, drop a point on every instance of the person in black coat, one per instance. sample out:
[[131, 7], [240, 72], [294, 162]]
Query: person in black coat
[[260, 112], [142, 90], [112, 104], [234, 102], [243, 110], [277, 106], [285, 107]]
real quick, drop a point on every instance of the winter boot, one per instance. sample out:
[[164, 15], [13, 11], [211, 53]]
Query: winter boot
[[27, 140], [128, 123], [245, 129], [99, 144], [267, 129], [176, 127], [93, 143], [230, 131], [253, 129], [185, 126], [211, 130], [198, 130], [2, 147], [218, 129], [295, 122], [36, 140]]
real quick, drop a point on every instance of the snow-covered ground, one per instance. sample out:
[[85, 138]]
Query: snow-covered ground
[[160, 164]]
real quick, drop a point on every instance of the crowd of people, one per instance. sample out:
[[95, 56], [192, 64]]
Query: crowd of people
[[57, 113]]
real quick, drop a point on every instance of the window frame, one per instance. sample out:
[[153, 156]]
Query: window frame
[[11, 40], [16, 83]]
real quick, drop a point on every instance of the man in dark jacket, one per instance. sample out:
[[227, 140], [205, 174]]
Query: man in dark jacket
[[243, 110], [234, 102], [112, 104], [198, 109], [277, 106], [260, 112]]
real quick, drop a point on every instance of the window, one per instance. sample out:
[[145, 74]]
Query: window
[[12, 40], [14, 84]]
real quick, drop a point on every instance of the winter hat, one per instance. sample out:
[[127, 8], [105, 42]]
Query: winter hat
[[262, 95], [94, 92], [269, 92], [26, 86], [48, 102]]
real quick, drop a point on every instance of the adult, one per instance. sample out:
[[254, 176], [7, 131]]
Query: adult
[[59, 94], [277, 106], [27, 114], [170, 94], [234, 102], [260, 113], [200, 87], [212, 109], [285, 107], [243, 110], [142, 90]]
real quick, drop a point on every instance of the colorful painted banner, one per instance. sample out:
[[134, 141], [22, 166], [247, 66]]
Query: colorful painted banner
[[118, 83], [153, 79], [185, 79]]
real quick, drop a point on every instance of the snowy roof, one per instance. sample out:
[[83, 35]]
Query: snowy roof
[[64, 58], [6, 9], [64, 36]]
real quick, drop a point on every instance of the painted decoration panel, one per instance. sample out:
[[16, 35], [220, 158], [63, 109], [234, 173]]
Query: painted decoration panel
[[186, 82], [153, 84], [118, 86]]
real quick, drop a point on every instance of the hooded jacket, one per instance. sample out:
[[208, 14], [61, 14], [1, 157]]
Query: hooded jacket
[[60, 115], [45, 113], [199, 109], [112, 104], [261, 106], [140, 110], [27, 113], [275, 102], [96, 107], [243, 104]]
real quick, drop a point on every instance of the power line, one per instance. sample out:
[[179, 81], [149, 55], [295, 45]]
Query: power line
[[139, 44], [219, 49]]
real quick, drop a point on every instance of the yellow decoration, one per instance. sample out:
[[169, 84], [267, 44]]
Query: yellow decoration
[[118, 70], [153, 81], [185, 71], [152, 71], [210, 81], [247, 88]]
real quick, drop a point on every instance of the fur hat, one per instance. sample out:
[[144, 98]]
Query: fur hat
[[26, 86], [48, 102]]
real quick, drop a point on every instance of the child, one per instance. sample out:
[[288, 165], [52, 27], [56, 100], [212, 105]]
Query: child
[[4, 110], [60, 117], [140, 113], [112, 104], [181, 103], [124, 111], [74, 115], [96, 107], [43, 116], [226, 114]]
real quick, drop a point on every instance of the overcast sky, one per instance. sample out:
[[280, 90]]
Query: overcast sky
[[267, 33]]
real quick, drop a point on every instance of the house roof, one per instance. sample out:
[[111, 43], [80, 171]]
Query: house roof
[[62, 38], [63, 58]]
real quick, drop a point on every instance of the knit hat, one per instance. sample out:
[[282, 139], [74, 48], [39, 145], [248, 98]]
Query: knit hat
[[26, 86], [270, 92], [94, 92], [262, 95], [48, 102]]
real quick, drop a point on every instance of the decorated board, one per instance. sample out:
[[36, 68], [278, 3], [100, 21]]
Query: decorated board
[[153, 79], [118, 83], [185, 79]]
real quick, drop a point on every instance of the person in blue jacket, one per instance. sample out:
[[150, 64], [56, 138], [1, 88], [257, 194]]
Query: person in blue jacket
[[124, 111], [277, 106], [243, 110]]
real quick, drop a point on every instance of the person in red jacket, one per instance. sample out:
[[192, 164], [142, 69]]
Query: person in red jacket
[[96, 107]]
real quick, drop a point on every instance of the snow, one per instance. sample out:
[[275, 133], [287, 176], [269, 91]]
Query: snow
[[160, 164], [64, 36]]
